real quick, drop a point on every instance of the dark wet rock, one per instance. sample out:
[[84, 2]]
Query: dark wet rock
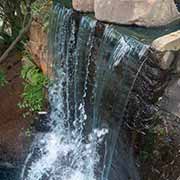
[[42, 124], [9, 174], [177, 2], [6, 165], [160, 151], [171, 100]]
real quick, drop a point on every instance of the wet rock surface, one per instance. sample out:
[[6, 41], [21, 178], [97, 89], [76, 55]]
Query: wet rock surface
[[160, 145], [160, 153]]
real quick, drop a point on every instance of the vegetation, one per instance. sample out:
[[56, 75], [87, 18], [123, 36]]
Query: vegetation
[[41, 10], [16, 14], [13, 15], [15, 18], [34, 87]]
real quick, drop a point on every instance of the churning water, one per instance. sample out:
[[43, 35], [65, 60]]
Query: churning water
[[95, 72]]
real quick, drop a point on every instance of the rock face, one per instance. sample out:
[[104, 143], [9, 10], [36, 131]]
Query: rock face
[[139, 12], [38, 46], [83, 5], [169, 42]]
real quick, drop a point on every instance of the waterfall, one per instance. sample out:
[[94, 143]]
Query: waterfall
[[99, 88]]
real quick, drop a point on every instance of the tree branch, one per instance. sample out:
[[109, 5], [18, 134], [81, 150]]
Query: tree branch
[[18, 38]]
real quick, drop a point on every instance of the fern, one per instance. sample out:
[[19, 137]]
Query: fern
[[34, 88]]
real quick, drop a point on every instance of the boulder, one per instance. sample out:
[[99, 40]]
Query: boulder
[[83, 5], [169, 42], [139, 12]]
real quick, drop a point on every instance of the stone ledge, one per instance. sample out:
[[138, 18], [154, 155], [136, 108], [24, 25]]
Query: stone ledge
[[169, 42], [147, 13], [131, 12]]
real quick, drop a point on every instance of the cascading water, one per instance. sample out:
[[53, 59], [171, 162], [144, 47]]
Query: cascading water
[[96, 70]]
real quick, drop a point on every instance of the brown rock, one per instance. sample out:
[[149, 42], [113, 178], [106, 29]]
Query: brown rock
[[139, 12], [38, 47]]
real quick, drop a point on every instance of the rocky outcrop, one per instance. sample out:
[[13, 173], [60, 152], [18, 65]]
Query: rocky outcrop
[[38, 46], [143, 13], [169, 42], [167, 46], [83, 5]]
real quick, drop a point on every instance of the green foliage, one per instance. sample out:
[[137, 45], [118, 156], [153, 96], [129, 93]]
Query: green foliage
[[6, 40], [34, 88], [3, 81]]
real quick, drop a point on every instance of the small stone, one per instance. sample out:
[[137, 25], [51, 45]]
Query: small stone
[[167, 60]]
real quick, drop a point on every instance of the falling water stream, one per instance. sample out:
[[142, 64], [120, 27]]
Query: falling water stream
[[98, 89]]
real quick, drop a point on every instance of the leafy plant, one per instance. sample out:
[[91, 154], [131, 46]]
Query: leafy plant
[[3, 81], [34, 88]]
